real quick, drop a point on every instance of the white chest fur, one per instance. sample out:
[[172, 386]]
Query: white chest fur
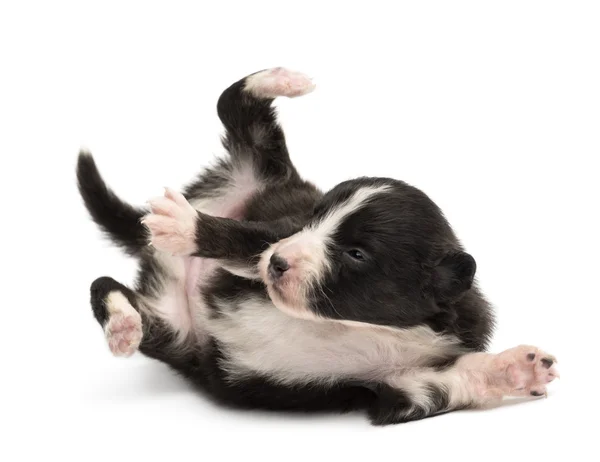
[[258, 338]]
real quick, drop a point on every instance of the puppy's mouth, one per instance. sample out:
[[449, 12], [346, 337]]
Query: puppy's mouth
[[284, 285], [281, 279], [277, 292]]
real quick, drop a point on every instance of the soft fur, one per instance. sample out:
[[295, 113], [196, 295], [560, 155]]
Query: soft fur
[[267, 293]]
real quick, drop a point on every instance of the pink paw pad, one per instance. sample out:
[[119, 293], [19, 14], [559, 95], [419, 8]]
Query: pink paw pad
[[172, 223], [123, 333], [279, 82], [529, 369]]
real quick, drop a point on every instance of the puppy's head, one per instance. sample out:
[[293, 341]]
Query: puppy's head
[[376, 251]]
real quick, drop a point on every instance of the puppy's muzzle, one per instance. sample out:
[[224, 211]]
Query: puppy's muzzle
[[277, 266]]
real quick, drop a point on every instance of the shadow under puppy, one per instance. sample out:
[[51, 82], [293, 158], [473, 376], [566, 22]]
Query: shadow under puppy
[[268, 293]]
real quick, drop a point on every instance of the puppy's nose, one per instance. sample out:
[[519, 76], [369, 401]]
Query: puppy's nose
[[277, 266]]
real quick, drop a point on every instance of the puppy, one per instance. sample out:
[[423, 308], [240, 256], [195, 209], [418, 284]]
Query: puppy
[[267, 293]]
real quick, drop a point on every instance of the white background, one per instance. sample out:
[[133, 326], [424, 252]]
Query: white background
[[492, 108]]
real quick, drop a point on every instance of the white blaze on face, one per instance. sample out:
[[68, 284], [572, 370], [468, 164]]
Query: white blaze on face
[[306, 254]]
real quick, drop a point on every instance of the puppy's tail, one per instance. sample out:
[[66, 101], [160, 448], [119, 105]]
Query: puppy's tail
[[119, 220]]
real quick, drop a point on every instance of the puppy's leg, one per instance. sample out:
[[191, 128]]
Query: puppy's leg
[[258, 156], [129, 326], [113, 306], [176, 227], [253, 136], [475, 380]]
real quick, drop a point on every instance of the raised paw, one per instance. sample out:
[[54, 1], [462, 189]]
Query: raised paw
[[123, 334], [278, 82], [172, 224], [123, 330], [528, 370]]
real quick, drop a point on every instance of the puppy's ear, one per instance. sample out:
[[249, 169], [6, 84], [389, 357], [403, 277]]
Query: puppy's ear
[[453, 276]]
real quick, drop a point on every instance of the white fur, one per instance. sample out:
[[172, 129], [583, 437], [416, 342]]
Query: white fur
[[306, 252], [278, 82], [117, 303], [123, 330], [259, 338], [479, 378], [229, 202], [172, 306], [324, 228], [172, 224], [248, 272], [180, 303]]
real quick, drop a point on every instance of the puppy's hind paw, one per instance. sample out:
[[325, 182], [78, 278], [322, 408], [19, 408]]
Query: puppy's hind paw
[[123, 334], [123, 330], [278, 82]]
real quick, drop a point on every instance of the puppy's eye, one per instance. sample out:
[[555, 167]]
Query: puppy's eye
[[356, 255]]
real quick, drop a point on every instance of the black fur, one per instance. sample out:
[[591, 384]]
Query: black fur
[[119, 220], [415, 271], [253, 133], [413, 264], [257, 392]]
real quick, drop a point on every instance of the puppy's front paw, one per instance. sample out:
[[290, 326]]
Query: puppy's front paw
[[172, 224], [520, 371], [529, 369]]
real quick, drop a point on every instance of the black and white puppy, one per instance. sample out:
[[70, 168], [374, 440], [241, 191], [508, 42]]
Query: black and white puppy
[[268, 293]]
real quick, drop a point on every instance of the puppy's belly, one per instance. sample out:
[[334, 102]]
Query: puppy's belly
[[231, 203], [181, 303], [198, 272]]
